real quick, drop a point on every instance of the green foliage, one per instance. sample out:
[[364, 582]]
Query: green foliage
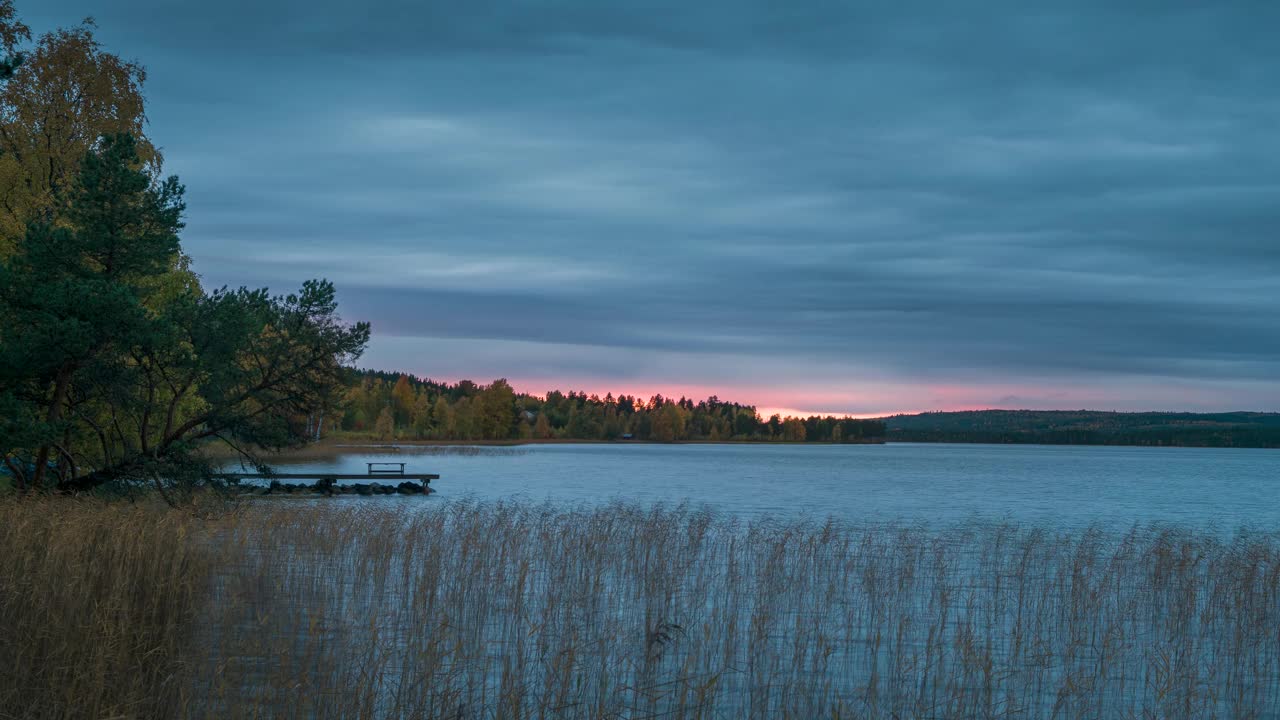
[[385, 427], [467, 411], [62, 96], [112, 371], [72, 296], [12, 32], [1088, 427]]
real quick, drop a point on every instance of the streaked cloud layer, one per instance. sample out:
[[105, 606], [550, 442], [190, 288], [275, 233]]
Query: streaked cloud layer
[[809, 205]]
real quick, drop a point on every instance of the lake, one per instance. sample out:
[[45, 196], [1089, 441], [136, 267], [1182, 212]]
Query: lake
[[1059, 485]]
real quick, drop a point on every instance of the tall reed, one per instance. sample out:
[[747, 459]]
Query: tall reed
[[98, 604], [471, 610]]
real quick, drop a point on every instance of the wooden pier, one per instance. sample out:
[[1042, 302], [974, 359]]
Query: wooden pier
[[327, 482]]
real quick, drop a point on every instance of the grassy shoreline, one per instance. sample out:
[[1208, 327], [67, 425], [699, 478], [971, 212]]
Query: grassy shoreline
[[523, 611]]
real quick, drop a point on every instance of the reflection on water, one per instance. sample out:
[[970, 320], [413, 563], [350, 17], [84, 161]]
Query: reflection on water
[[479, 610], [1063, 485], [965, 581]]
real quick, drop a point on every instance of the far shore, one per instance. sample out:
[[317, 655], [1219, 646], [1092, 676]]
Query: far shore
[[333, 446], [566, 441]]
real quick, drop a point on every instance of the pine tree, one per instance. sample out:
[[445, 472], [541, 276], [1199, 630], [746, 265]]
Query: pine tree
[[75, 292], [111, 373]]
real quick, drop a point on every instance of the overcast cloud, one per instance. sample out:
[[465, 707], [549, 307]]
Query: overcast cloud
[[808, 205]]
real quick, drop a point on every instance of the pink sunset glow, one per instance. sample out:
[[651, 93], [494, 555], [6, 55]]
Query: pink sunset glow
[[879, 399]]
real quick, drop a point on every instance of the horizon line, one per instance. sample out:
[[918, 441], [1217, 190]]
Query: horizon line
[[767, 411]]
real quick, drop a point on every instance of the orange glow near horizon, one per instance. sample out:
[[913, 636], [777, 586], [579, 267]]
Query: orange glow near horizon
[[880, 398], [786, 402], [807, 389], [767, 412]]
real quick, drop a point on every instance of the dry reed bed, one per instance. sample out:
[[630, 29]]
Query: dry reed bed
[[519, 611]]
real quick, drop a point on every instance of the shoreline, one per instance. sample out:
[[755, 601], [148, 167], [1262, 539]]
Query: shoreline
[[357, 443], [565, 441]]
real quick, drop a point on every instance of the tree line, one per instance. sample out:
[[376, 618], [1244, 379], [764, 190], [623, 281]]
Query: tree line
[[390, 405], [118, 366], [1089, 427]]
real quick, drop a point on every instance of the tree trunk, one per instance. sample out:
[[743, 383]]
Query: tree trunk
[[61, 384], [19, 475]]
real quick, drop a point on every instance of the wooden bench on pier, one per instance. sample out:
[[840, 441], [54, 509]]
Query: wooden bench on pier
[[385, 468]]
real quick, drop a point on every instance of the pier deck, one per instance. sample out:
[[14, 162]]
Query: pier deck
[[421, 477], [326, 482]]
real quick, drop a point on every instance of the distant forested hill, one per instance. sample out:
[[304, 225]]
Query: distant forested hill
[[1088, 427]]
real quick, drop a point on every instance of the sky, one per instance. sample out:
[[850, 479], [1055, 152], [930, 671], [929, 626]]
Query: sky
[[817, 206]]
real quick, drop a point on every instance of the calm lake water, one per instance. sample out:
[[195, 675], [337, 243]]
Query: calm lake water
[[1061, 485]]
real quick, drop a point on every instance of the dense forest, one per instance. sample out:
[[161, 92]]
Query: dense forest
[[1088, 427], [388, 405]]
